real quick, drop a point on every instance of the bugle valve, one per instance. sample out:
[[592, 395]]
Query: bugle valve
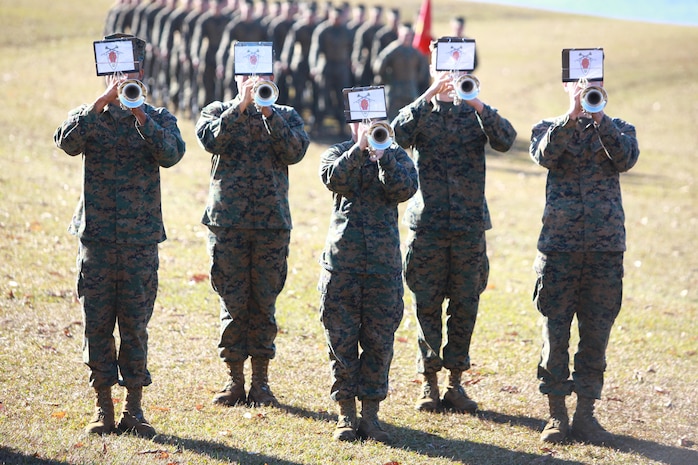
[[132, 93]]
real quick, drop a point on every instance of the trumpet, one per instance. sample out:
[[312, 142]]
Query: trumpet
[[593, 99], [132, 93], [467, 87], [380, 135], [265, 93]]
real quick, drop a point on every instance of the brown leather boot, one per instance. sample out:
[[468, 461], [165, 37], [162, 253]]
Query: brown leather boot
[[556, 429], [585, 427], [234, 391], [260, 393], [455, 397], [430, 399], [132, 419], [369, 426], [346, 421], [103, 422]]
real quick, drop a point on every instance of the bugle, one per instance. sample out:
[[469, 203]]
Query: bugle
[[265, 93], [467, 87], [132, 93], [380, 135], [593, 99]]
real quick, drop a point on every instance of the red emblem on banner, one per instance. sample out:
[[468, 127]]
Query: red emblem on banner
[[585, 62], [455, 54], [365, 104], [113, 56]]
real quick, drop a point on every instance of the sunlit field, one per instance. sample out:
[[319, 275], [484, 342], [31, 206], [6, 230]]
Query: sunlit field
[[651, 392]]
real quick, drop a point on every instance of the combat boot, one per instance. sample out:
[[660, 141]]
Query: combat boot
[[585, 427], [346, 421], [132, 418], [556, 429], [260, 393], [234, 391], [104, 413], [369, 426], [455, 397], [430, 399]]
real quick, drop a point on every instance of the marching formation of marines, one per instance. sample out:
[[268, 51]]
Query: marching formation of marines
[[318, 51]]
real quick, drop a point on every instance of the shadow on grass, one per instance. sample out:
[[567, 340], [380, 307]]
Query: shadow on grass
[[218, 451], [669, 455], [14, 457], [534, 424], [305, 413], [431, 445]]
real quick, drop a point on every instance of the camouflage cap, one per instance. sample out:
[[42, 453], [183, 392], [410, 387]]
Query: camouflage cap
[[138, 45]]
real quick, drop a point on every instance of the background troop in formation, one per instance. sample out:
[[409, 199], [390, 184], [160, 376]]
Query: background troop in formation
[[319, 50]]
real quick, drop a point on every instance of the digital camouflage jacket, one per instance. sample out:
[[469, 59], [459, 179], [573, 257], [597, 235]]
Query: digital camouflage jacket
[[449, 151], [583, 205], [121, 200], [363, 236], [249, 173]]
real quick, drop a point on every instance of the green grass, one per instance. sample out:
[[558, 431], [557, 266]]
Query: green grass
[[651, 393]]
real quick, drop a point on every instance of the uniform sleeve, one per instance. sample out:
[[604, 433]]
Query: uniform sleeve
[[340, 167], [162, 134], [217, 124], [549, 139], [289, 140], [499, 131], [406, 123], [397, 173], [619, 141], [72, 135]]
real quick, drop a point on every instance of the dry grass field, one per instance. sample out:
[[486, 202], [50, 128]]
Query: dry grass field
[[651, 394]]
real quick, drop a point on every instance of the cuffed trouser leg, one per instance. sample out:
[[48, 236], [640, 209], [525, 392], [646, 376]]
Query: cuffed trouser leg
[[359, 310], [117, 283], [440, 266], [248, 271], [590, 286]]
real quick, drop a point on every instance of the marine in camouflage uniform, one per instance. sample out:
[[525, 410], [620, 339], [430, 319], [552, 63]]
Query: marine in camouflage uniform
[[403, 70], [296, 55], [448, 217], [249, 222], [330, 65], [118, 221], [579, 264], [361, 282]]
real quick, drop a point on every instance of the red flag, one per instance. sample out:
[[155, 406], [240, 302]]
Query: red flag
[[422, 29]]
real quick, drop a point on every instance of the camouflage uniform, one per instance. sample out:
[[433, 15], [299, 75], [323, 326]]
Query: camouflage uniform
[[207, 36], [361, 282], [581, 245], [119, 223], [448, 216], [296, 54], [330, 59], [404, 71], [249, 218]]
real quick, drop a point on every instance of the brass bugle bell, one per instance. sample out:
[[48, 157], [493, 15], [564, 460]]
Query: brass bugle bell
[[265, 93], [132, 93], [593, 99], [380, 135], [467, 87]]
